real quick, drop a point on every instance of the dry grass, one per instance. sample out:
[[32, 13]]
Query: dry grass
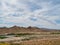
[[41, 42], [36, 42]]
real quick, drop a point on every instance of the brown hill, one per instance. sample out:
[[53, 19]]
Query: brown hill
[[15, 29]]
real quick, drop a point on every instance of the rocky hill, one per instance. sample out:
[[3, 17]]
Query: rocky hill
[[15, 29]]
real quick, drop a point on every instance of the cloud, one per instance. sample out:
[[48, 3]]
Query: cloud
[[39, 13]]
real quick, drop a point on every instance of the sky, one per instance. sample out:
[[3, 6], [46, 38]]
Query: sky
[[37, 13]]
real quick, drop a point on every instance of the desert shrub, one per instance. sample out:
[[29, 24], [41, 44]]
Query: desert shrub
[[4, 43], [14, 44], [55, 33], [23, 34], [11, 34], [3, 37]]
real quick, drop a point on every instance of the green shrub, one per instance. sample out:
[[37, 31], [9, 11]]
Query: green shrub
[[3, 37]]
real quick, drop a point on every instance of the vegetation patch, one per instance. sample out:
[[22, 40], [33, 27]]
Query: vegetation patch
[[55, 32], [23, 34], [3, 37]]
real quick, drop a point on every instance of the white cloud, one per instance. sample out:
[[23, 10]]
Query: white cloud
[[18, 11]]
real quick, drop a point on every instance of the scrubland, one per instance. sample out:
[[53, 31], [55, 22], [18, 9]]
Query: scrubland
[[36, 38]]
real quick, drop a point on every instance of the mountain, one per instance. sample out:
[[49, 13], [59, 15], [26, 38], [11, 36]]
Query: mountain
[[16, 29]]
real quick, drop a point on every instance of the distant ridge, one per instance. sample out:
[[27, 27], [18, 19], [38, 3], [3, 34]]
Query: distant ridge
[[14, 29]]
